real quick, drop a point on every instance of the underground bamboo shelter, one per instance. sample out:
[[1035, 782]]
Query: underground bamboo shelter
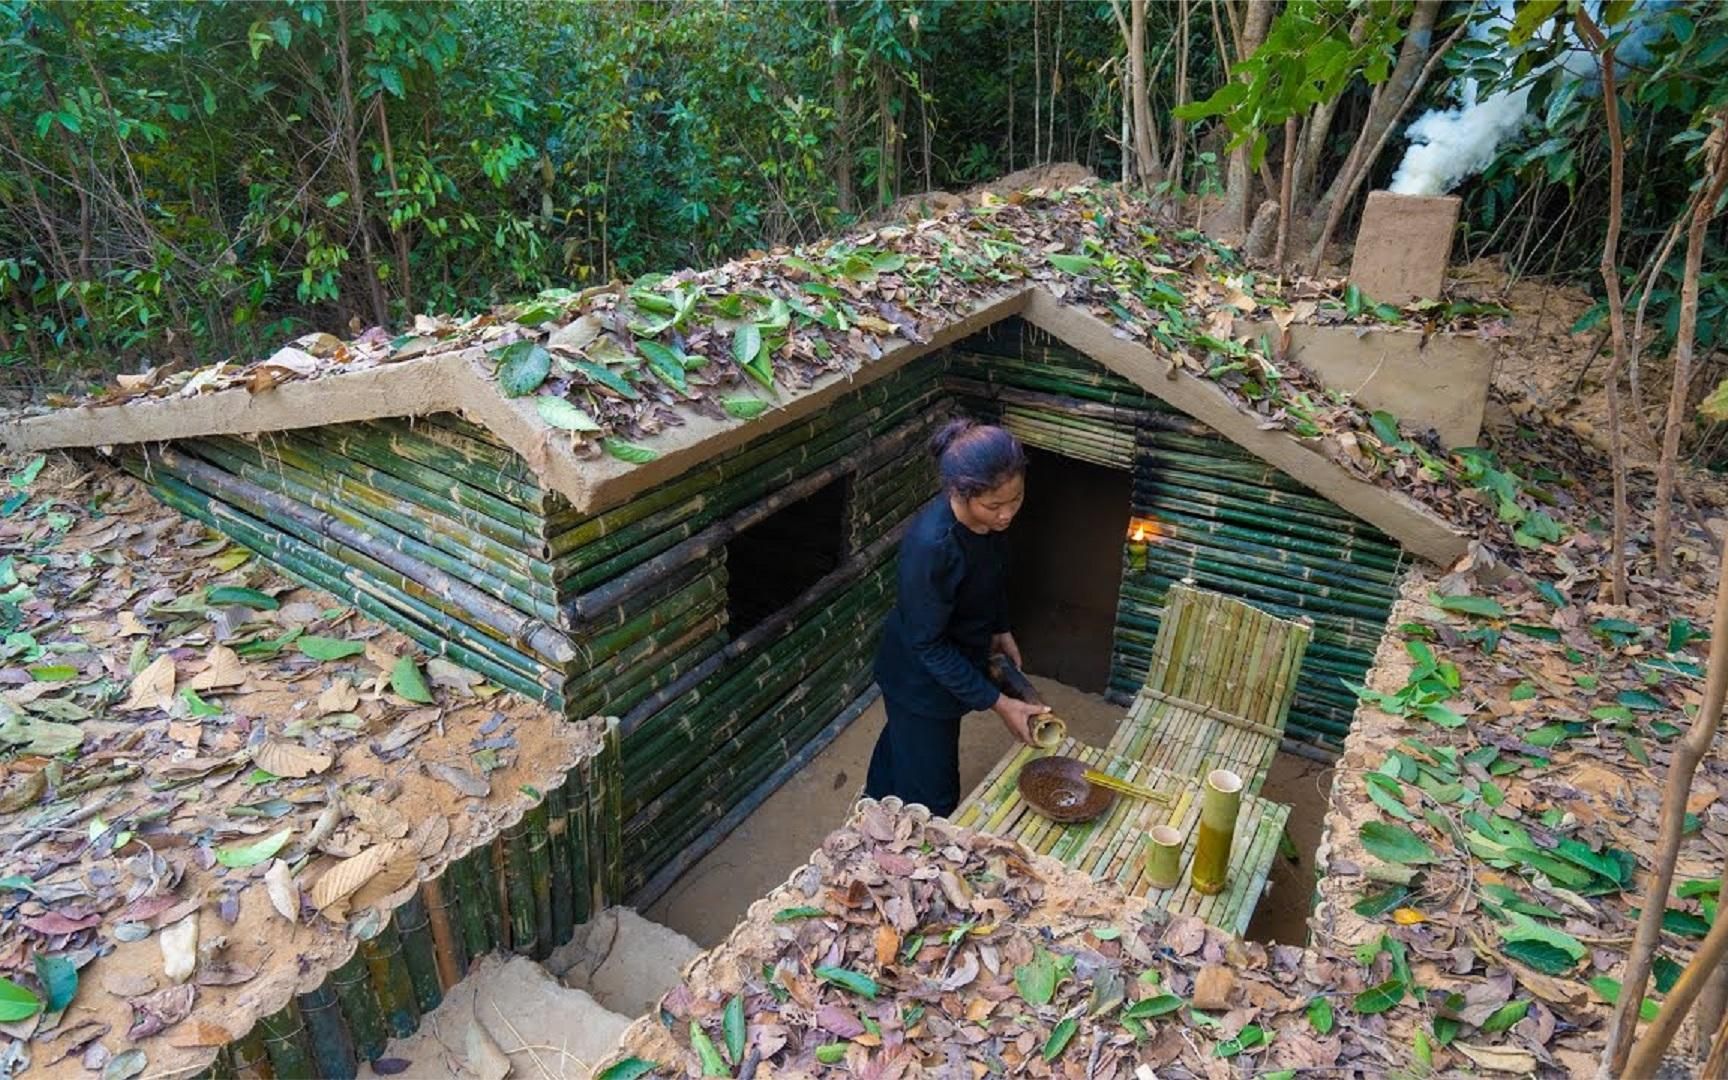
[[675, 504]]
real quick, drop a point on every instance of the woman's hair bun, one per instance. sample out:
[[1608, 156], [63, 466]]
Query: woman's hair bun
[[949, 431]]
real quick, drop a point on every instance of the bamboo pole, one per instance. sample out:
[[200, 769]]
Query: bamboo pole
[[420, 951], [333, 1048], [1221, 799]]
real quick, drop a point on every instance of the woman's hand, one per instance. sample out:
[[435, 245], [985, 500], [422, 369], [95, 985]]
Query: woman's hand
[[1017, 716], [1005, 644]]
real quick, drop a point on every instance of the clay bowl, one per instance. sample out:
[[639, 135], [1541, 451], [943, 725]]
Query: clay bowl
[[1056, 787]]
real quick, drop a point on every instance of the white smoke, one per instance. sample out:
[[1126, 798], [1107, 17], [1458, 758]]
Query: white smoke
[[1448, 146]]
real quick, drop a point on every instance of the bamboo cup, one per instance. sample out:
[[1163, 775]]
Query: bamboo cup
[[1048, 732], [1164, 869], [1221, 798]]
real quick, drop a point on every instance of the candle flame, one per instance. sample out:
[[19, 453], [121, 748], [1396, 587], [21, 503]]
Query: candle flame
[[1142, 530]]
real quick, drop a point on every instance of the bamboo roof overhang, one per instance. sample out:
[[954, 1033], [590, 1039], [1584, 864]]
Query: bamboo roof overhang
[[785, 334]]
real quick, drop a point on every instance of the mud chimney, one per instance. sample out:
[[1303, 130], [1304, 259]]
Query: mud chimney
[[1403, 245]]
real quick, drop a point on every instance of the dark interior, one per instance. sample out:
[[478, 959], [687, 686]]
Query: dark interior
[[769, 564], [1067, 567]]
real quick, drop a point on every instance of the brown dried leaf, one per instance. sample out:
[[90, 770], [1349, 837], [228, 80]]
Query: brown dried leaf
[[339, 697], [225, 669], [461, 779], [430, 835], [398, 871], [887, 945], [154, 686], [198, 1034], [284, 893], [346, 877], [159, 1011], [377, 817], [289, 759]]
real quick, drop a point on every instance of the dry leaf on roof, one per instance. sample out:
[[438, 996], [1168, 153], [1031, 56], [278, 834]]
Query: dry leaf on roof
[[153, 688], [459, 778], [346, 878], [161, 1010], [339, 697], [1506, 1059], [289, 759], [377, 817], [224, 669], [398, 870], [430, 835], [284, 893], [199, 1033]]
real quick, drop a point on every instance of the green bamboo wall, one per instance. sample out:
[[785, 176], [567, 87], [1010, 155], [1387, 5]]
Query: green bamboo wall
[[1223, 517]]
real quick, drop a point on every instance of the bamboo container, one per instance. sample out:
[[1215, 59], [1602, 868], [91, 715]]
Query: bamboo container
[[443, 922], [1221, 798], [1164, 862], [1048, 731], [287, 1042], [359, 1008], [391, 983]]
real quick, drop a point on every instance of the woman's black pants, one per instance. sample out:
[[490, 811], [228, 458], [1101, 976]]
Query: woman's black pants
[[917, 758]]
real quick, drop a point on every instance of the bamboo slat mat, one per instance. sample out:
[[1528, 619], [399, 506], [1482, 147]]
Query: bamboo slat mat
[[1114, 847], [1182, 739]]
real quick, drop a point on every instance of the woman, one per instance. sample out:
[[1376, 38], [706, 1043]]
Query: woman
[[952, 614]]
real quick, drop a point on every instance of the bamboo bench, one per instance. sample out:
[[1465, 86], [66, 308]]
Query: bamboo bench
[[1219, 689], [1114, 847]]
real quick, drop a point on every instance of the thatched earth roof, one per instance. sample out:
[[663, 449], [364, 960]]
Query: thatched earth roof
[[613, 387], [186, 737]]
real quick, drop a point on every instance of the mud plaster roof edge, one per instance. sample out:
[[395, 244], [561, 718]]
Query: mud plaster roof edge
[[456, 382]]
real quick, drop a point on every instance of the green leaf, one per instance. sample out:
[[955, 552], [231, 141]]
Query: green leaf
[[1442, 715], [1320, 1016], [17, 1003], [563, 415], [1468, 605], [1152, 1007], [1378, 999], [606, 377], [1686, 890], [1680, 633], [1385, 792], [744, 408], [1505, 1016], [59, 977], [1248, 1038], [23, 478], [1394, 843], [325, 648], [1385, 427], [786, 915], [863, 985], [733, 1027], [53, 673], [1548, 592], [1059, 1038], [628, 451], [1539, 955], [631, 1068], [665, 363], [1036, 979], [522, 367], [1376, 904], [197, 706], [831, 1053], [1608, 989], [242, 856], [1524, 928], [1684, 923], [407, 682], [746, 344], [234, 596], [712, 1063], [1073, 264]]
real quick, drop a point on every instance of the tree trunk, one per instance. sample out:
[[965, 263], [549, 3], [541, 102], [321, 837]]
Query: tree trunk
[[1610, 271], [1318, 127], [1240, 177], [1286, 184], [1146, 149], [356, 187], [1179, 130], [885, 152], [1037, 89], [399, 232], [842, 109], [1395, 94], [1715, 177]]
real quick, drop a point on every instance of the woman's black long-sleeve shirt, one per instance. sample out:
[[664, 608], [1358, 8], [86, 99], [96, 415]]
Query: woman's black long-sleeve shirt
[[953, 598]]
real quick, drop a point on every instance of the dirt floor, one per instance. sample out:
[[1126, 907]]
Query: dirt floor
[[708, 901]]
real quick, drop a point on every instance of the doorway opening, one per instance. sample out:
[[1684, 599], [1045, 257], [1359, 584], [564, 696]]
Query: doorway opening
[[1066, 568], [771, 563]]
